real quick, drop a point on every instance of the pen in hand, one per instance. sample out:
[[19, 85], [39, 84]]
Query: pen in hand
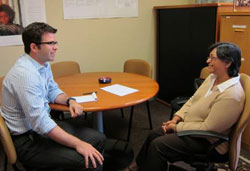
[[89, 93]]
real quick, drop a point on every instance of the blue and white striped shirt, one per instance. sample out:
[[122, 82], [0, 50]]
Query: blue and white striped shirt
[[27, 90]]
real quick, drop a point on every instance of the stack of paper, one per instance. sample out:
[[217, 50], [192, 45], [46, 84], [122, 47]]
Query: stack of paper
[[119, 90], [87, 98]]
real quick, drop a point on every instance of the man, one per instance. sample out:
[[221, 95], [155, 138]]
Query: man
[[28, 89]]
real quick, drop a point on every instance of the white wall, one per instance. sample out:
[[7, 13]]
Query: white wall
[[99, 44]]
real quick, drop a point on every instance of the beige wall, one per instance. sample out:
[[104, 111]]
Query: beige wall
[[99, 44]]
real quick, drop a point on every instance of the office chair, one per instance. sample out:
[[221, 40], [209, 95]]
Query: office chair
[[205, 161], [178, 102], [141, 67], [60, 69]]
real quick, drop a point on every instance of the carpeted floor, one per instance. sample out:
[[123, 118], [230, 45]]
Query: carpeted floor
[[115, 127]]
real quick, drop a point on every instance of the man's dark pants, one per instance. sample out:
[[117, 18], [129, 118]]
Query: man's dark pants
[[38, 151]]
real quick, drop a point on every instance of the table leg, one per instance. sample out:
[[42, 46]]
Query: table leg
[[98, 121]]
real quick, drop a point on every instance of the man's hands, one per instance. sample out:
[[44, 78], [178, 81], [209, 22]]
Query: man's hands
[[89, 152], [83, 148], [62, 137], [75, 108]]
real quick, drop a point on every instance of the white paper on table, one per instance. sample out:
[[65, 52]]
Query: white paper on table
[[119, 90], [87, 98]]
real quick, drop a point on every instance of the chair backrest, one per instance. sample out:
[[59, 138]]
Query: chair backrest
[[235, 138], [7, 142], [138, 66], [204, 72], [65, 68]]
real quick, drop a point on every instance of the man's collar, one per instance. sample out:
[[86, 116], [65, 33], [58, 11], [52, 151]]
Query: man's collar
[[36, 64]]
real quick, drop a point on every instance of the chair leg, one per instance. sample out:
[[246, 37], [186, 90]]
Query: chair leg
[[149, 116], [122, 112], [62, 116], [14, 166], [130, 123], [86, 115], [5, 162]]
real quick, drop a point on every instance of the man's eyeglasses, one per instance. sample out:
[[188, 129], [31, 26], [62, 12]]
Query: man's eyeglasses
[[48, 43]]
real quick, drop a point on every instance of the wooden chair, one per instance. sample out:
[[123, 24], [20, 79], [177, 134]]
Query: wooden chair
[[138, 66], [8, 146], [65, 68], [141, 67], [204, 73], [205, 161]]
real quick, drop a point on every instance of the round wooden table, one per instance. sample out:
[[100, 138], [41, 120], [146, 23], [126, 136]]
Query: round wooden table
[[77, 84]]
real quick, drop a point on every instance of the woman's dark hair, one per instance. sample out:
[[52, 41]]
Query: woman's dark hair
[[228, 52], [33, 34], [9, 11]]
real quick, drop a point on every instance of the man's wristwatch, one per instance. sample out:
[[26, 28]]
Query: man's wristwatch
[[71, 98]]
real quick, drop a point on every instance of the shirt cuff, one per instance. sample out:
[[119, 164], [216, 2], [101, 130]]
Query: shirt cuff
[[55, 94], [175, 130], [46, 126]]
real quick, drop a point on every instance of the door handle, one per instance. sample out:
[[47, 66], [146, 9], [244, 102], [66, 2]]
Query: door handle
[[239, 30]]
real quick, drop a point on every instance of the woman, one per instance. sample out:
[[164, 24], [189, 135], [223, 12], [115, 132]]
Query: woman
[[7, 16], [215, 106]]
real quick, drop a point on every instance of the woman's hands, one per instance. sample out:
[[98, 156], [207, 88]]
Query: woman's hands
[[168, 127]]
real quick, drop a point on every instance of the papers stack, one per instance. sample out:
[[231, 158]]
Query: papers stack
[[86, 98], [119, 90]]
